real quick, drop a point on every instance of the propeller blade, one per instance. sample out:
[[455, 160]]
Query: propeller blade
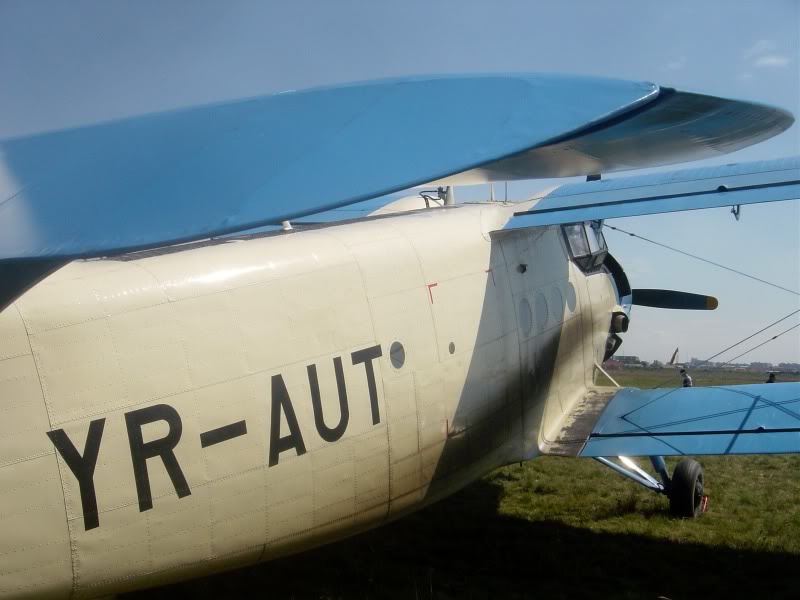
[[673, 299]]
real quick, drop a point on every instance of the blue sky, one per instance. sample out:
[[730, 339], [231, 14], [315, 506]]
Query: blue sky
[[65, 64]]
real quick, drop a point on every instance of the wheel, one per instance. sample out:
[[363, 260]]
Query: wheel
[[686, 489]]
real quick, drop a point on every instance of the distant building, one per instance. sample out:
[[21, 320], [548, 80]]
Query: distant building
[[629, 360], [761, 366]]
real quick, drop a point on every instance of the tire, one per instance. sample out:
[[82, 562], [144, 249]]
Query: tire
[[686, 490]]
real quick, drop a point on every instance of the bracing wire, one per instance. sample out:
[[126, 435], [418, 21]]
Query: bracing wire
[[710, 262], [668, 392], [742, 341], [732, 270], [774, 337]]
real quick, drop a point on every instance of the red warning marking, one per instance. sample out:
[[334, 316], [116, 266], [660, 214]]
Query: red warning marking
[[492, 272], [430, 293]]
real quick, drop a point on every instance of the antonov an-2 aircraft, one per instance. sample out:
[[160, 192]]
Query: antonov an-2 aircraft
[[177, 400]]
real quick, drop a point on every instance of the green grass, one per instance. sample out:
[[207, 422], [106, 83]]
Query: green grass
[[562, 528], [667, 378]]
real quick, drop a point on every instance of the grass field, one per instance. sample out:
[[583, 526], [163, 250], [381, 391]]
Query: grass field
[[562, 528]]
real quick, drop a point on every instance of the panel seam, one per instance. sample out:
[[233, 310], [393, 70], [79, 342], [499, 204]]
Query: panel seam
[[65, 494]]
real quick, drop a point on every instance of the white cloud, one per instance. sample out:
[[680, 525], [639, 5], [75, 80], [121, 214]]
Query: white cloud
[[760, 47], [764, 54], [745, 76], [676, 65], [772, 60]]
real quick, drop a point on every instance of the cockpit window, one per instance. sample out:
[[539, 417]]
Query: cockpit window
[[591, 235], [587, 246], [576, 238], [601, 239]]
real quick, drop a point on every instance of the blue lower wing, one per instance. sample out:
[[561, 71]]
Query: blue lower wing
[[740, 419]]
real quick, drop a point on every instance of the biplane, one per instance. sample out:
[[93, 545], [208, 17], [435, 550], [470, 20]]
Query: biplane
[[206, 362]]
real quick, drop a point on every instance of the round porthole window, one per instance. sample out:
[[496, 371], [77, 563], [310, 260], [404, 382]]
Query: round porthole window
[[397, 354], [525, 317], [557, 304], [572, 300], [541, 311]]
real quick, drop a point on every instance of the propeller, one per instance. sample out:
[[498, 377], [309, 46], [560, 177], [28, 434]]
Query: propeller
[[644, 297], [673, 299]]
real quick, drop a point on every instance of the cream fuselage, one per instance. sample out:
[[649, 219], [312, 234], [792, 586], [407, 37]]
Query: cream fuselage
[[202, 407]]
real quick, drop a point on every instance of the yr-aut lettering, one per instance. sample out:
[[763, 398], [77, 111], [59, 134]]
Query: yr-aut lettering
[[82, 466], [82, 463], [282, 407], [163, 448]]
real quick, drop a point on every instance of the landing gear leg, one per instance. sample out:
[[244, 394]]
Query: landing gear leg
[[685, 489], [686, 497], [661, 468]]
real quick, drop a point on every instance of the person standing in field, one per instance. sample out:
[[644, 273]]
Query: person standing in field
[[687, 381], [771, 378]]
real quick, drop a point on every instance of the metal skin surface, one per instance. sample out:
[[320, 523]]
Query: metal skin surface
[[203, 407]]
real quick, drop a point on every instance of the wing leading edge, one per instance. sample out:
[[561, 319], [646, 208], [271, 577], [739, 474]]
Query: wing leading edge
[[740, 419]]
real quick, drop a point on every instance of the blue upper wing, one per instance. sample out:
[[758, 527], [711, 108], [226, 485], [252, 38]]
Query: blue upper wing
[[739, 419], [182, 175]]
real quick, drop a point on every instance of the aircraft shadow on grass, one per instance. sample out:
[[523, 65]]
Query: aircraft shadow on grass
[[461, 548]]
